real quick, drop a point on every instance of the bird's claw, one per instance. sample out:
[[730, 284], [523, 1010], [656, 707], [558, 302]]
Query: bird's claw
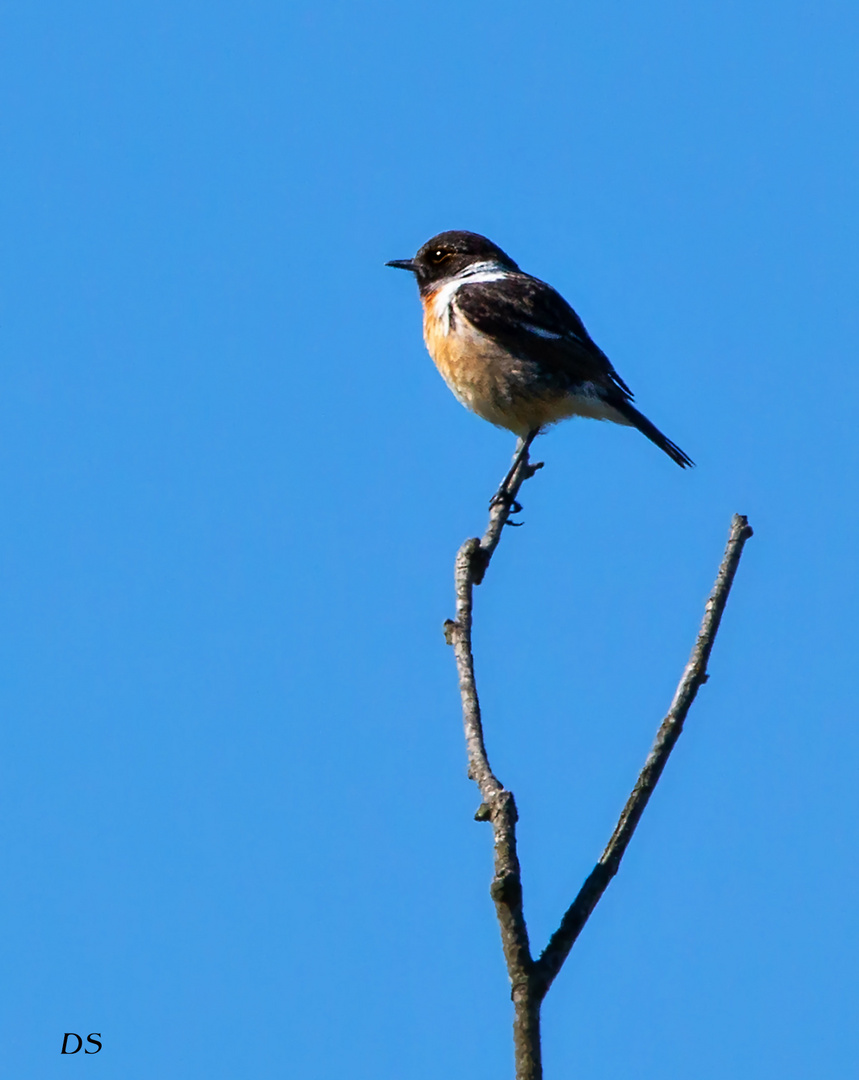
[[503, 498]]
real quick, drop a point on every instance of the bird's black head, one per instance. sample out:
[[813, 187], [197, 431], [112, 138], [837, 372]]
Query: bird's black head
[[448, 254]]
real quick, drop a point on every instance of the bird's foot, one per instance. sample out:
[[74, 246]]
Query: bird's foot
[[502, 497]]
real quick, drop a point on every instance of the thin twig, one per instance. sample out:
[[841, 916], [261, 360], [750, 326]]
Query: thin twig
[[694, 676]]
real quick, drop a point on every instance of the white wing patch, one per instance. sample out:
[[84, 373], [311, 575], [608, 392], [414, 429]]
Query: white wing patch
[[542, 332], [550, 335]]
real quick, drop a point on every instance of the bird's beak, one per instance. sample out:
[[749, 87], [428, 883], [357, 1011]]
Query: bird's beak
[[403, 264]]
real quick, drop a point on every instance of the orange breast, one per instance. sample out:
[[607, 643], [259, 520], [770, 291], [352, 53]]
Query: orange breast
[[486, 378], [468, 361]]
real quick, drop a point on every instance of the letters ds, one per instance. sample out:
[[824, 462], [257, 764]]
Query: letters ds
[[94, 1037]]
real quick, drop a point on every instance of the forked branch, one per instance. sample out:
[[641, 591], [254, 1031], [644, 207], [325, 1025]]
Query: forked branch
[[530, 980]]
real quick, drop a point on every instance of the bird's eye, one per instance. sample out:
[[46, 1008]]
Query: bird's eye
[[439, 255]]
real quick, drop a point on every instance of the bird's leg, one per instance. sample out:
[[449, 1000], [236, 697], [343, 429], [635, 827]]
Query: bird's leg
[[502, 495]]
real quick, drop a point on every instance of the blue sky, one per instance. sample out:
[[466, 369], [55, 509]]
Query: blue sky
[[237, 831]]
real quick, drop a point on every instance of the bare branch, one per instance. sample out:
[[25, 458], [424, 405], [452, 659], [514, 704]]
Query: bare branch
[[530, 980], [472, 560], [694, 675], [498, 805]]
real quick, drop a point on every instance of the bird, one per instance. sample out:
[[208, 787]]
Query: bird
[[511, 348]]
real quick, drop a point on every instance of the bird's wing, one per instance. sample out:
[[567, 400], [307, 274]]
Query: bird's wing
[[530, 319]]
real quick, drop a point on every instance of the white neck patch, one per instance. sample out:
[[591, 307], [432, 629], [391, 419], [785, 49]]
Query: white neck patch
[[471, 275]]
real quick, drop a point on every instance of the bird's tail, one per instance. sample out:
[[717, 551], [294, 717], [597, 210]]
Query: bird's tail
[[634, 417]]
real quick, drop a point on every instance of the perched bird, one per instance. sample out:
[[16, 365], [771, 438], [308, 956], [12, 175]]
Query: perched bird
[[511, 348]]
